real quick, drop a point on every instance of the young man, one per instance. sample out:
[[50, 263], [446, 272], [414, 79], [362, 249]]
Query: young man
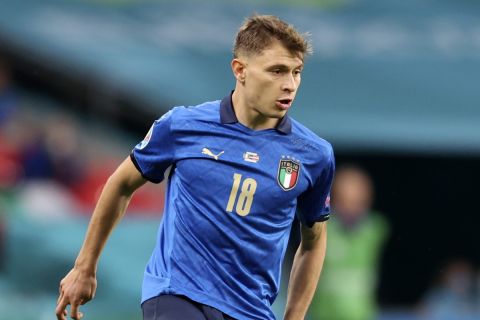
[[239, 170]]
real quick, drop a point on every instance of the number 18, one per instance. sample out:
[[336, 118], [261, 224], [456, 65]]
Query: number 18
[[245, 199]]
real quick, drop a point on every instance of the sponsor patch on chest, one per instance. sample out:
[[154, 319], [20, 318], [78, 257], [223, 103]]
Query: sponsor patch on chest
[[251, 157]]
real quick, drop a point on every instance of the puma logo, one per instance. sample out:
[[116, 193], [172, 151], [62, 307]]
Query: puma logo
[[210, 153]]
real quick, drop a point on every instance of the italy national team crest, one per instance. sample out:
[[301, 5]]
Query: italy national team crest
[[288, 172]]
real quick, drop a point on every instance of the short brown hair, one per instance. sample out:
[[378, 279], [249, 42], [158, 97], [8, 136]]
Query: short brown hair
[[258, 31]]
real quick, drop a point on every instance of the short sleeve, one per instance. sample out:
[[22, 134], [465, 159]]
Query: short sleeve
[[156, 152], [314, 204]]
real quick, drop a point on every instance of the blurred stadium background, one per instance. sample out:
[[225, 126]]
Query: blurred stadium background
[[394, 85]]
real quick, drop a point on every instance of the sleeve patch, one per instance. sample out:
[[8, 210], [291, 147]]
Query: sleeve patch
[[145, 140]]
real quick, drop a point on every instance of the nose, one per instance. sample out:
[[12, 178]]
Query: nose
[[289, 83]]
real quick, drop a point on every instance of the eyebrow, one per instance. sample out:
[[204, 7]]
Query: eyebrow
[[283, 67]]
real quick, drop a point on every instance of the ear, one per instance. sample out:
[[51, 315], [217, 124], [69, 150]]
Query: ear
[[238, 68]]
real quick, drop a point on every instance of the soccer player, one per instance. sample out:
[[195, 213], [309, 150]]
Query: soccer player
[[239, 170]]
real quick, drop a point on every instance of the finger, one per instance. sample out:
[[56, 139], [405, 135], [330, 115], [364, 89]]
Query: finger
[[60, 297], [60, 310], [74, 313]]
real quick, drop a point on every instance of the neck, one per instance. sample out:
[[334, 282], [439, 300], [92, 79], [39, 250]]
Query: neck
[[248, 115]]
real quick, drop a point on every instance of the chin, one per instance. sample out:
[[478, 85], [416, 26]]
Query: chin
[[272, 115], [280, 114]]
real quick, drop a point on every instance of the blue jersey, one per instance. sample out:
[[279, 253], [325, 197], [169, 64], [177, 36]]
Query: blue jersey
[[231, 198]]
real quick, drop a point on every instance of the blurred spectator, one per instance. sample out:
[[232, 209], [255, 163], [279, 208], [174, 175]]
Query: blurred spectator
[[52, 149], [45, 167], [453, 294], [64, 148], [35, 160], [53, 163], [41, 151], [347, 286]]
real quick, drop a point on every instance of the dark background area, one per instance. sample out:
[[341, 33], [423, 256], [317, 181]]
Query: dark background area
[[81, 91], [429, 201]]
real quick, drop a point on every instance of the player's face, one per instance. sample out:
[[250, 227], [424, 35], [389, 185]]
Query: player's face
[[271, 80]]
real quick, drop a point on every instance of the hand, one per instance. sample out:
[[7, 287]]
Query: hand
[[77, 288]]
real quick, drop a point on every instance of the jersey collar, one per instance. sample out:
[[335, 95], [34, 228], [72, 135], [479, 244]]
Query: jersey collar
[[227, 115]]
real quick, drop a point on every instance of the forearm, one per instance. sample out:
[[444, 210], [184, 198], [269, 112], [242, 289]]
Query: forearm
[[110, 208], [306, 269]]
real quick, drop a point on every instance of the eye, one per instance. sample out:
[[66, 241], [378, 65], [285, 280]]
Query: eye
[[276, 71], [297, 72]]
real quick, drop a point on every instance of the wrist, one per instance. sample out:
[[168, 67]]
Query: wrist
[[85, 267]]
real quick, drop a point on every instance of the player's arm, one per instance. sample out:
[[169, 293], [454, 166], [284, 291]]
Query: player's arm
[[79, 285], [306, 269]]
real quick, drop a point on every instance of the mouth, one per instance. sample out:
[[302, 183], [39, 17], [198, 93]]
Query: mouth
[[284, 104]]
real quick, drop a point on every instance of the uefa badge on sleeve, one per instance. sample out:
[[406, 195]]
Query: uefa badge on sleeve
[[146, 140], [288, 172]]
